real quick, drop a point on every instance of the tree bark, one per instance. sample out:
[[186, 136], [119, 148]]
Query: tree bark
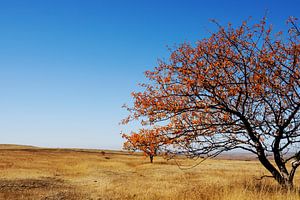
[[282, 176], [151, 158]]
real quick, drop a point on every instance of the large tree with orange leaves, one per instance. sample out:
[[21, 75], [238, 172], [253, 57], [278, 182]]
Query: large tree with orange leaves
[[237, 89]]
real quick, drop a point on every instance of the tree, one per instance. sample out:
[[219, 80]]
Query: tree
[[147, 141], [237, 89]]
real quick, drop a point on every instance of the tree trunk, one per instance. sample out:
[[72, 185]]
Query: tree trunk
[[151, 158], [284, 179], [286, 182]]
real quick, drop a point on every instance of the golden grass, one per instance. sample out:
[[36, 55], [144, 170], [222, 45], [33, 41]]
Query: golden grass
[[37, 173]]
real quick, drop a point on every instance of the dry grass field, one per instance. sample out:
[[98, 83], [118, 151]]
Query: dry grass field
[[50, 174]]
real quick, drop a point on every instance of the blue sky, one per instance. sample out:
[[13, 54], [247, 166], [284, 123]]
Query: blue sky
[[67, 66]]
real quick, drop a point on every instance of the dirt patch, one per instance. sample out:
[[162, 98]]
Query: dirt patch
[[45, 189], [26, 184]]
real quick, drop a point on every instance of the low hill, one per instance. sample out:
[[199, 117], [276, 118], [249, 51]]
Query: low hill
[[16, 146]]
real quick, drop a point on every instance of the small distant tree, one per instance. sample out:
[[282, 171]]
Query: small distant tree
[[237, 89], [147, 141]]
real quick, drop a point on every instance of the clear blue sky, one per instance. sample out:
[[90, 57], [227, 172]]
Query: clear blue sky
[[67, 66]]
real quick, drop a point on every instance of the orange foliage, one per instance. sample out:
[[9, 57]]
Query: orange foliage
[[147, 141], [239, 88]]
